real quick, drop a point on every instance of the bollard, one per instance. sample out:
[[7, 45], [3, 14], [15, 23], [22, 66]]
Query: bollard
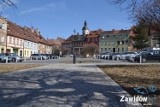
[[41, 57], [16, 60], [117, 58], [6, 60], [74, 59], [140, 59]]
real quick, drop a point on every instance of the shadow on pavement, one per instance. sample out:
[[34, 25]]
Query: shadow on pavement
[[52, 87]]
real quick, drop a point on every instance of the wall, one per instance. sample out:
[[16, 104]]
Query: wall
[[109, 42]]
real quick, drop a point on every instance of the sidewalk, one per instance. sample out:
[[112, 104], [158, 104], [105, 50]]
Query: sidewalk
[[60, 85]]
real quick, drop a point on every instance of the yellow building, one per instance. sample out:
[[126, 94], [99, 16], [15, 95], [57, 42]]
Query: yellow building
[[3, 33]]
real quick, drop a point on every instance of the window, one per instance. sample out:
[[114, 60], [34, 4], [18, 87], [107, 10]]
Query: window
[[88, 39], [120, 36], [126, 49], [101, 49], [8, 41], [15, 41], [118, 42], [96, 39], [122, 42], [2, 39], [112, 43], [18, 41], [21, 42], [105, 49], [101, 43], [92, 39], [104, 43], [122, 49], [126, 41], [12, 41], [118, 49], [126, 35]]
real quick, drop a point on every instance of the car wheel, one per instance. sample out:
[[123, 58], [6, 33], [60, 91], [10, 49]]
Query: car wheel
[[144, 59], [14, 60]]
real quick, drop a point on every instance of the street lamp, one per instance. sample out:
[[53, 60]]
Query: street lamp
[[74, 56]]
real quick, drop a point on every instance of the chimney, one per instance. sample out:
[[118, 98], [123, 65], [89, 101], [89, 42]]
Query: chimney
[[25, 27], [32, 29], [37, 31], [113, 29]]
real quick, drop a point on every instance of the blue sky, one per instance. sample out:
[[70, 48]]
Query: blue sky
[[60, 17]]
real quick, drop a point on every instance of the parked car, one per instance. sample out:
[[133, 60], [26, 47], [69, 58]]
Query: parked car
[[122, 56], [130, 55], [114, 56], [14, 57], [45, 56], [38, 57], [153, 55], [3, 58]]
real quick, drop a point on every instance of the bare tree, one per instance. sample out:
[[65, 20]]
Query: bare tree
[[5, 3], [146, 11], [130, 4], [90, 49]]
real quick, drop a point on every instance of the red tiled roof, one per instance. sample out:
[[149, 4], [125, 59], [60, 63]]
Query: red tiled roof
[[25, 33], [20, 32], [116, 32], [74, 38], [52, 42], [94, 33]]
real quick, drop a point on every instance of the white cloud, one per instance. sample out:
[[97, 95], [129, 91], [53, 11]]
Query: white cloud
[[50, 6], [32, 10]]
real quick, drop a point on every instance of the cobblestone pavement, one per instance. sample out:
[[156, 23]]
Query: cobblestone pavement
[[60, 85]]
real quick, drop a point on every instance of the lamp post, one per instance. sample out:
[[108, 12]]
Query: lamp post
[[74, 56]]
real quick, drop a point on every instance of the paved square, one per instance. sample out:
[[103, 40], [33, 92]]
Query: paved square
[[60, 85]]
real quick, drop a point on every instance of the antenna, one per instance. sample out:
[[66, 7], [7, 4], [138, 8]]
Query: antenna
[[74, 31]]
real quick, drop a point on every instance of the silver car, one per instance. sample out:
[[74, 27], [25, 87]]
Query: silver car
[[14, 57], [3, 58]]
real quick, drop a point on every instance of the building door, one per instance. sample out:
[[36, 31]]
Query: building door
[[21, 53], [2, 50], [114, 50], [8, 51]]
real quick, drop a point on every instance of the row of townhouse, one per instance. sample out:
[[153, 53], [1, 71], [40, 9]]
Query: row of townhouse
[[22, 41], [107, 41]]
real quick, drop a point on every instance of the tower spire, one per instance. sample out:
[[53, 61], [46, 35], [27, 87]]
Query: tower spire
[[85, 29]]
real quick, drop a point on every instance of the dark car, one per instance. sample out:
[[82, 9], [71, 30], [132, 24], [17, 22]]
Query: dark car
[[153, 55]]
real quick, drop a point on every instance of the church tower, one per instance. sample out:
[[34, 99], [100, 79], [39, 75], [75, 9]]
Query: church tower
[[85, 29]]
